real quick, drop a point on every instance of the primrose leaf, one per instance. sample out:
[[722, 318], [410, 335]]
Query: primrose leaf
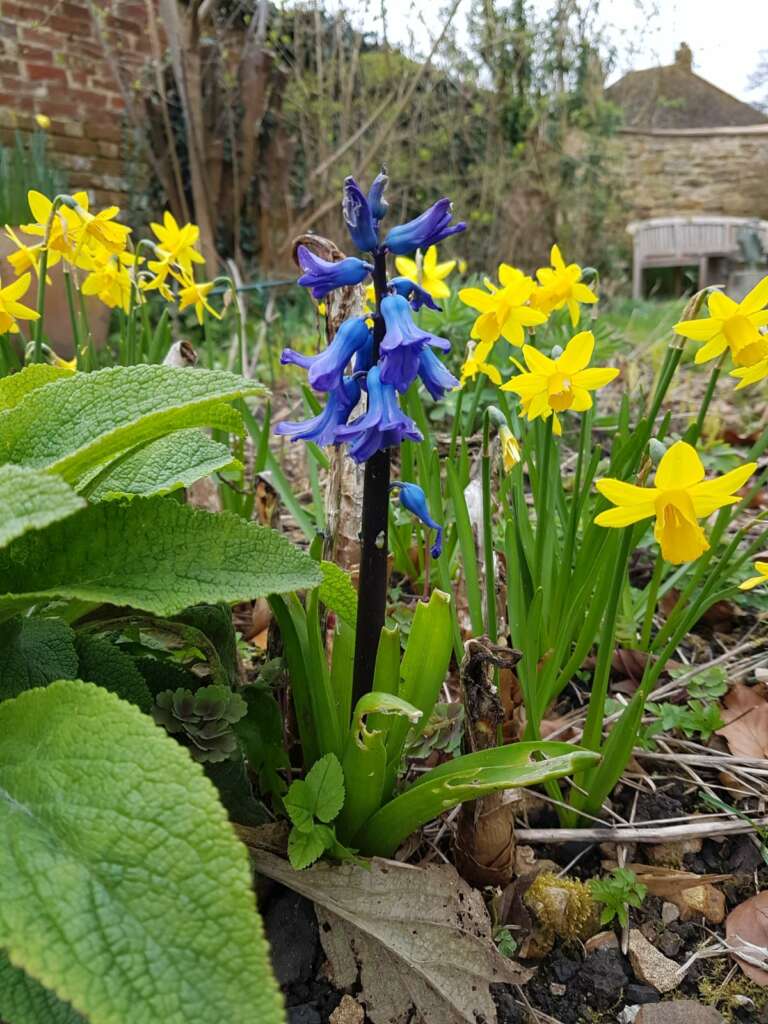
[[337, 592], [31, 500], [105, 664], [119, 871], [76, 423], [153, 554], [24, 1000], [300, 805], [17, 386], [174, 461], [304, 848], [325, 780], [35, 652]]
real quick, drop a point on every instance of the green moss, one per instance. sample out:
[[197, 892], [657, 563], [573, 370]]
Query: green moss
[[563, 906], [727, 996]]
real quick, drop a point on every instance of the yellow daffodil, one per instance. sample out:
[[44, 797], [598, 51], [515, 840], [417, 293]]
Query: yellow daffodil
[[477, 362], [176, 245], [751, 374], [430, 275], [111, 282], [680, 496], [510, 449], [11, 309], [561, 285], [756, 581], [196, 294], [503, 311], [733, 325], [65, 220], [554, 385], [43, 121], [27, 257], [63, 364], [100, 229]]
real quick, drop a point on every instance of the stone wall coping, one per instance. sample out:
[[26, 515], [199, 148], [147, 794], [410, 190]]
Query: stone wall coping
[[748, 129]]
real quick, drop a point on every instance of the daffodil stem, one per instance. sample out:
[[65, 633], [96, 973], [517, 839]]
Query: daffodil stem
[[695, 432], [650, 604], [491, 624], [74, 323], [542, 496], [593, 727], [469, 426], [41, 284], [372, 587]]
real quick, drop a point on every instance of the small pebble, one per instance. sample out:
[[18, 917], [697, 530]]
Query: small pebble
[[669, 913], [557, 990]]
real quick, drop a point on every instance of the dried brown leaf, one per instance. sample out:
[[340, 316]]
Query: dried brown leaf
[[745, 712], [414, 942], [746, 927]]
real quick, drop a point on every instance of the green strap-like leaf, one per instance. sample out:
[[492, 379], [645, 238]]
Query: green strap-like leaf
[[17, 386], [122, 887], [80, 422], [30, 500], [174, 461], [153, 554], [24, 1000], [467, 778]]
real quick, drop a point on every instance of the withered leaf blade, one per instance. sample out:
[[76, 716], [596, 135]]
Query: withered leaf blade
[[415, 942], [746, 929]]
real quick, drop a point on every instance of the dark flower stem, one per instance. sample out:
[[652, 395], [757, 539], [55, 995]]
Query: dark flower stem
[[372, 589]]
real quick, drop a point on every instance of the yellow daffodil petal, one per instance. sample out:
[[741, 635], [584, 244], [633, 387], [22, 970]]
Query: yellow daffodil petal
[[16, 289], [556, 258], [711, 350], [626, 515], [406, 267], [594, 377], [721, 306], [513, 332], [491, 372], [756, 298], [442, 270], [583, 294], [680, 467], [486, 328], [537, 362], [753, 581], [621, 493], [530, 317], [577, 353], [429, 262], [509, 275], [477, 299], [437, 289], [574, 311], [698, 330], [722, 488], [582, 400]]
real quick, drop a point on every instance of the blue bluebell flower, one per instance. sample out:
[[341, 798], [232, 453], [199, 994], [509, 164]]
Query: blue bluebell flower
[[376, 201], [413, 498], [402, 343], [358, 217], [414, 293], [429, 228], [383, 425], [435, 376], [322, 429], [327, 368], [322, 276]]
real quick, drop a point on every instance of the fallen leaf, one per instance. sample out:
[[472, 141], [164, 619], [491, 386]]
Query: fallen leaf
[[745, 713], [413, 942], [746, 929]]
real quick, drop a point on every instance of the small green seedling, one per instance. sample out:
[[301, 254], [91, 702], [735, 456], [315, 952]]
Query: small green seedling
[[617, 892]]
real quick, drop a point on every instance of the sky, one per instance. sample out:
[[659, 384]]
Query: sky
[[726, 36]]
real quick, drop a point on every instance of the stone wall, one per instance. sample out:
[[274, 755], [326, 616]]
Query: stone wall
[[695, 171], [56, 59]]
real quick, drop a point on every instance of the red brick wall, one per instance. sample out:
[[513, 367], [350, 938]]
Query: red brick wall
[[53, 62]]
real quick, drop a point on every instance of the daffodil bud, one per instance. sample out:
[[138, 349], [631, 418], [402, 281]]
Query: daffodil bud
[[557, 351], [657, 450], [496, 416]]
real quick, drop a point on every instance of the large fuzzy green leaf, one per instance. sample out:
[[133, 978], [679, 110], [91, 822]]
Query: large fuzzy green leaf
[[174, 461], [122, 886], [18, 385], [30, 500], [34, 652], [76, 423], [24, 1000], [104, 663], [153, 554]]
